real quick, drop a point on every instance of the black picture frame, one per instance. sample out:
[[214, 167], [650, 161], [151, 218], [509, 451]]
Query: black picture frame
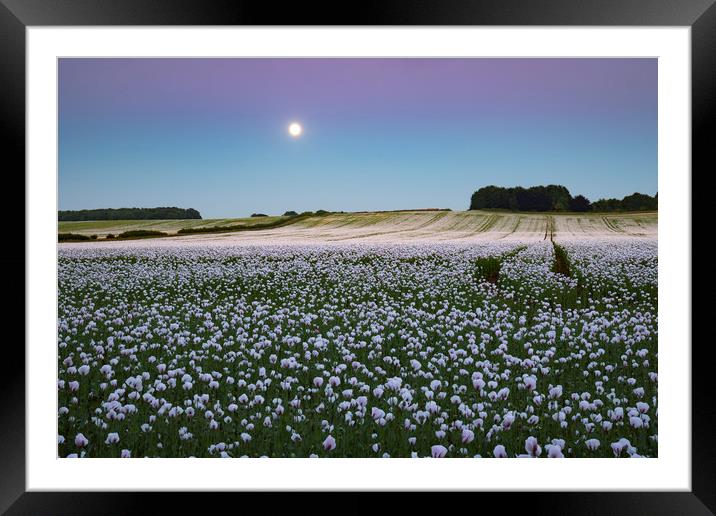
[[16, 15]]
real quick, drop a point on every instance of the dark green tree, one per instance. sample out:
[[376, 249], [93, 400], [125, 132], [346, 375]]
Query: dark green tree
[[580, 203], [129, 214], [553, 198]]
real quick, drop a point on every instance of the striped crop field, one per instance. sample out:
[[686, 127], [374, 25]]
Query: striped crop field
[[389, 227], [104, 227]]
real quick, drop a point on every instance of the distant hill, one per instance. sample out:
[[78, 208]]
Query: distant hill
[[554, 198], [163, 213]]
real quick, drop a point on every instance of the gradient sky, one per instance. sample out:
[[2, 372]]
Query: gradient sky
[[211, 134]]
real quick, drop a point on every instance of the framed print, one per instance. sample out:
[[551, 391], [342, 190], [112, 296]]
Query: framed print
[[400, 251]]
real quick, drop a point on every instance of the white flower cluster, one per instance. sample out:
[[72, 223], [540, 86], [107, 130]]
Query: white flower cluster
[[358, 350]]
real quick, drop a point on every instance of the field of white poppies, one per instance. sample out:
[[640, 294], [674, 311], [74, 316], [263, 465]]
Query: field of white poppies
[[501, 348]]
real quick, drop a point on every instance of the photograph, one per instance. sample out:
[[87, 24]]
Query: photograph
[[357, 257]]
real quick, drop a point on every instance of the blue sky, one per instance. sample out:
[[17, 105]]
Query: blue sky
[[211, 134]]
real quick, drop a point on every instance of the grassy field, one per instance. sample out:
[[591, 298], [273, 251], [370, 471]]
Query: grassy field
[[408, 224], [467, 225], [104, 227]]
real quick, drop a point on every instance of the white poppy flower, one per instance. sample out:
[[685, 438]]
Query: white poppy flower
[[329, 443], [438, 451], [532, 447], [81, 441], [112, 438], [592, 444], [499, 452]]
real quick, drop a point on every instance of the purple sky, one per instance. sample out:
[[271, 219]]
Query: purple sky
[[379, 133]]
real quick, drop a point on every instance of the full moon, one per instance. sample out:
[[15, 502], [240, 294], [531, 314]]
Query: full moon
[[295, 129]]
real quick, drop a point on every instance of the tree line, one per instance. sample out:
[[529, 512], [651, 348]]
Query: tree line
[[129, 214], [554, 198], [633, 202]]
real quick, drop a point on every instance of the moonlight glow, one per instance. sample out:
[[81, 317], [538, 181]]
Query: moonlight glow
[[295, 129]]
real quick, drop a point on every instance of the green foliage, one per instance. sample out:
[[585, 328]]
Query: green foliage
[[109, 236], [71, 237], [253, 227], [290, 213], [141, 233], [259, 215], [536, 198], [553, 198], [633, 202], [580, 204], [129, 214], [561, 260], [488, 268]]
